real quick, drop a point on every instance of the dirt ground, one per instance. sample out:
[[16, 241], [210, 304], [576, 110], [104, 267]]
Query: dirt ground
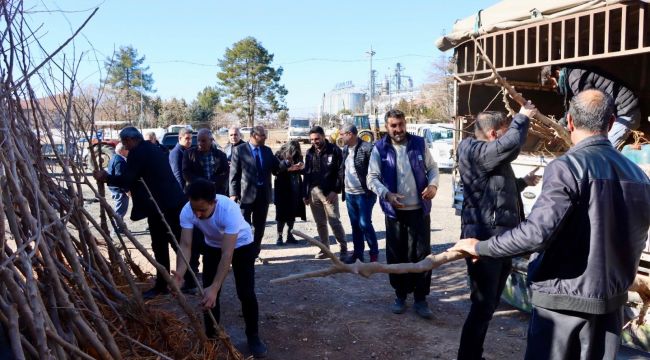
[[347, 316]]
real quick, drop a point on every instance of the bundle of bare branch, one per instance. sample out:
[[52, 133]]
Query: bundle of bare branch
[[68, 290]]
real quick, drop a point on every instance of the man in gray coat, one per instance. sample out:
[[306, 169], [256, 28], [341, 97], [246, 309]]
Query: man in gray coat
[[588, 228], [251, 167]]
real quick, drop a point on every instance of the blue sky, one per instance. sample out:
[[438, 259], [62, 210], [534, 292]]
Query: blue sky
[[318, 43]]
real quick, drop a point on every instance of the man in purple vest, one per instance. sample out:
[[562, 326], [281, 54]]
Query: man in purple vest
[[406, 203]]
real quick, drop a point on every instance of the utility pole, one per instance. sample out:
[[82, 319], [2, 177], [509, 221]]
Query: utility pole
[[371, 53]]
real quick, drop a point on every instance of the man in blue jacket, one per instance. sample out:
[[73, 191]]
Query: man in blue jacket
[[116, 166], [587, 229], [176, 155]]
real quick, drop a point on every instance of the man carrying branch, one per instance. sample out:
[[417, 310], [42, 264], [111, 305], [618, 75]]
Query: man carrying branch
[[228, 240], [491, 205]]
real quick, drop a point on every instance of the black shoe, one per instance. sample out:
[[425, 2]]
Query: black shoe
[[153, 292], [279, 241], [399, 306], [257, 347], [291, 239], [422, 309], [352, 259], [343, 255]]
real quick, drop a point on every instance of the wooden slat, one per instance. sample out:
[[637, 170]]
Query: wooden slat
[[562, 39], [641, 24], [550, 40], [538, 39], [606, 31], [526, 45], [576, 37], [591, 34], [623, 25]]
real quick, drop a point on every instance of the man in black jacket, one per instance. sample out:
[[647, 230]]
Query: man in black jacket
[[571, 80], [360, 200], [207, 162], [234, 140], [491, 205], [588, 227], [147, 162], [321, 186]]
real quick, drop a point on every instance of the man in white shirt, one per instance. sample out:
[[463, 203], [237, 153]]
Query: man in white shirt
[[228, 240]]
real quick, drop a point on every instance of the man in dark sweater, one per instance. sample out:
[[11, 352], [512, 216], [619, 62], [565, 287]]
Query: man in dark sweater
[[147, 163], [588, 229]]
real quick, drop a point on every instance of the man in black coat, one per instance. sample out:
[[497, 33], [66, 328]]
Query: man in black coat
[[569, 81], [491, 205], [207, 162], [321, 187], [251, 167], [588, 229], [147, 162]]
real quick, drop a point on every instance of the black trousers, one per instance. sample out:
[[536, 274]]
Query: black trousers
[[569, 335], [243, 268], [257, 212], [161, 240], [408, 239], [198, 242], [487, 279]]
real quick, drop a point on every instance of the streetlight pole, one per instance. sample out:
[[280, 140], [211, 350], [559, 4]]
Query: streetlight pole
[[371, 87]]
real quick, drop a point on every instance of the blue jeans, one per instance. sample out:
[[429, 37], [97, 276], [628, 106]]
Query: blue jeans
[[121, 202], [360, 212]]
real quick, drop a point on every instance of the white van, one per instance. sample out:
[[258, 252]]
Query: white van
[[299, 129], [439, 141]]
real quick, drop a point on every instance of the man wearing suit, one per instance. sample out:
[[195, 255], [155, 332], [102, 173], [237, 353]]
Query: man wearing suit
[[251, 167]]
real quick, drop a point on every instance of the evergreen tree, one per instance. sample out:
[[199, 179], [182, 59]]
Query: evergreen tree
[[251, 86], [129, 78]]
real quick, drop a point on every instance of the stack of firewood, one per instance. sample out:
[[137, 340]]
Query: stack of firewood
[[67, 289]]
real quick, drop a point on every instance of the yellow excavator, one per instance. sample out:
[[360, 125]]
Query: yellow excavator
[[368, 130]]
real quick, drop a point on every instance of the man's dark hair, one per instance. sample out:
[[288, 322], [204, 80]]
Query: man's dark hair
[[201, 189], [395, 114], [490, 120], [317, 130], [591, 110], [130, 132]]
